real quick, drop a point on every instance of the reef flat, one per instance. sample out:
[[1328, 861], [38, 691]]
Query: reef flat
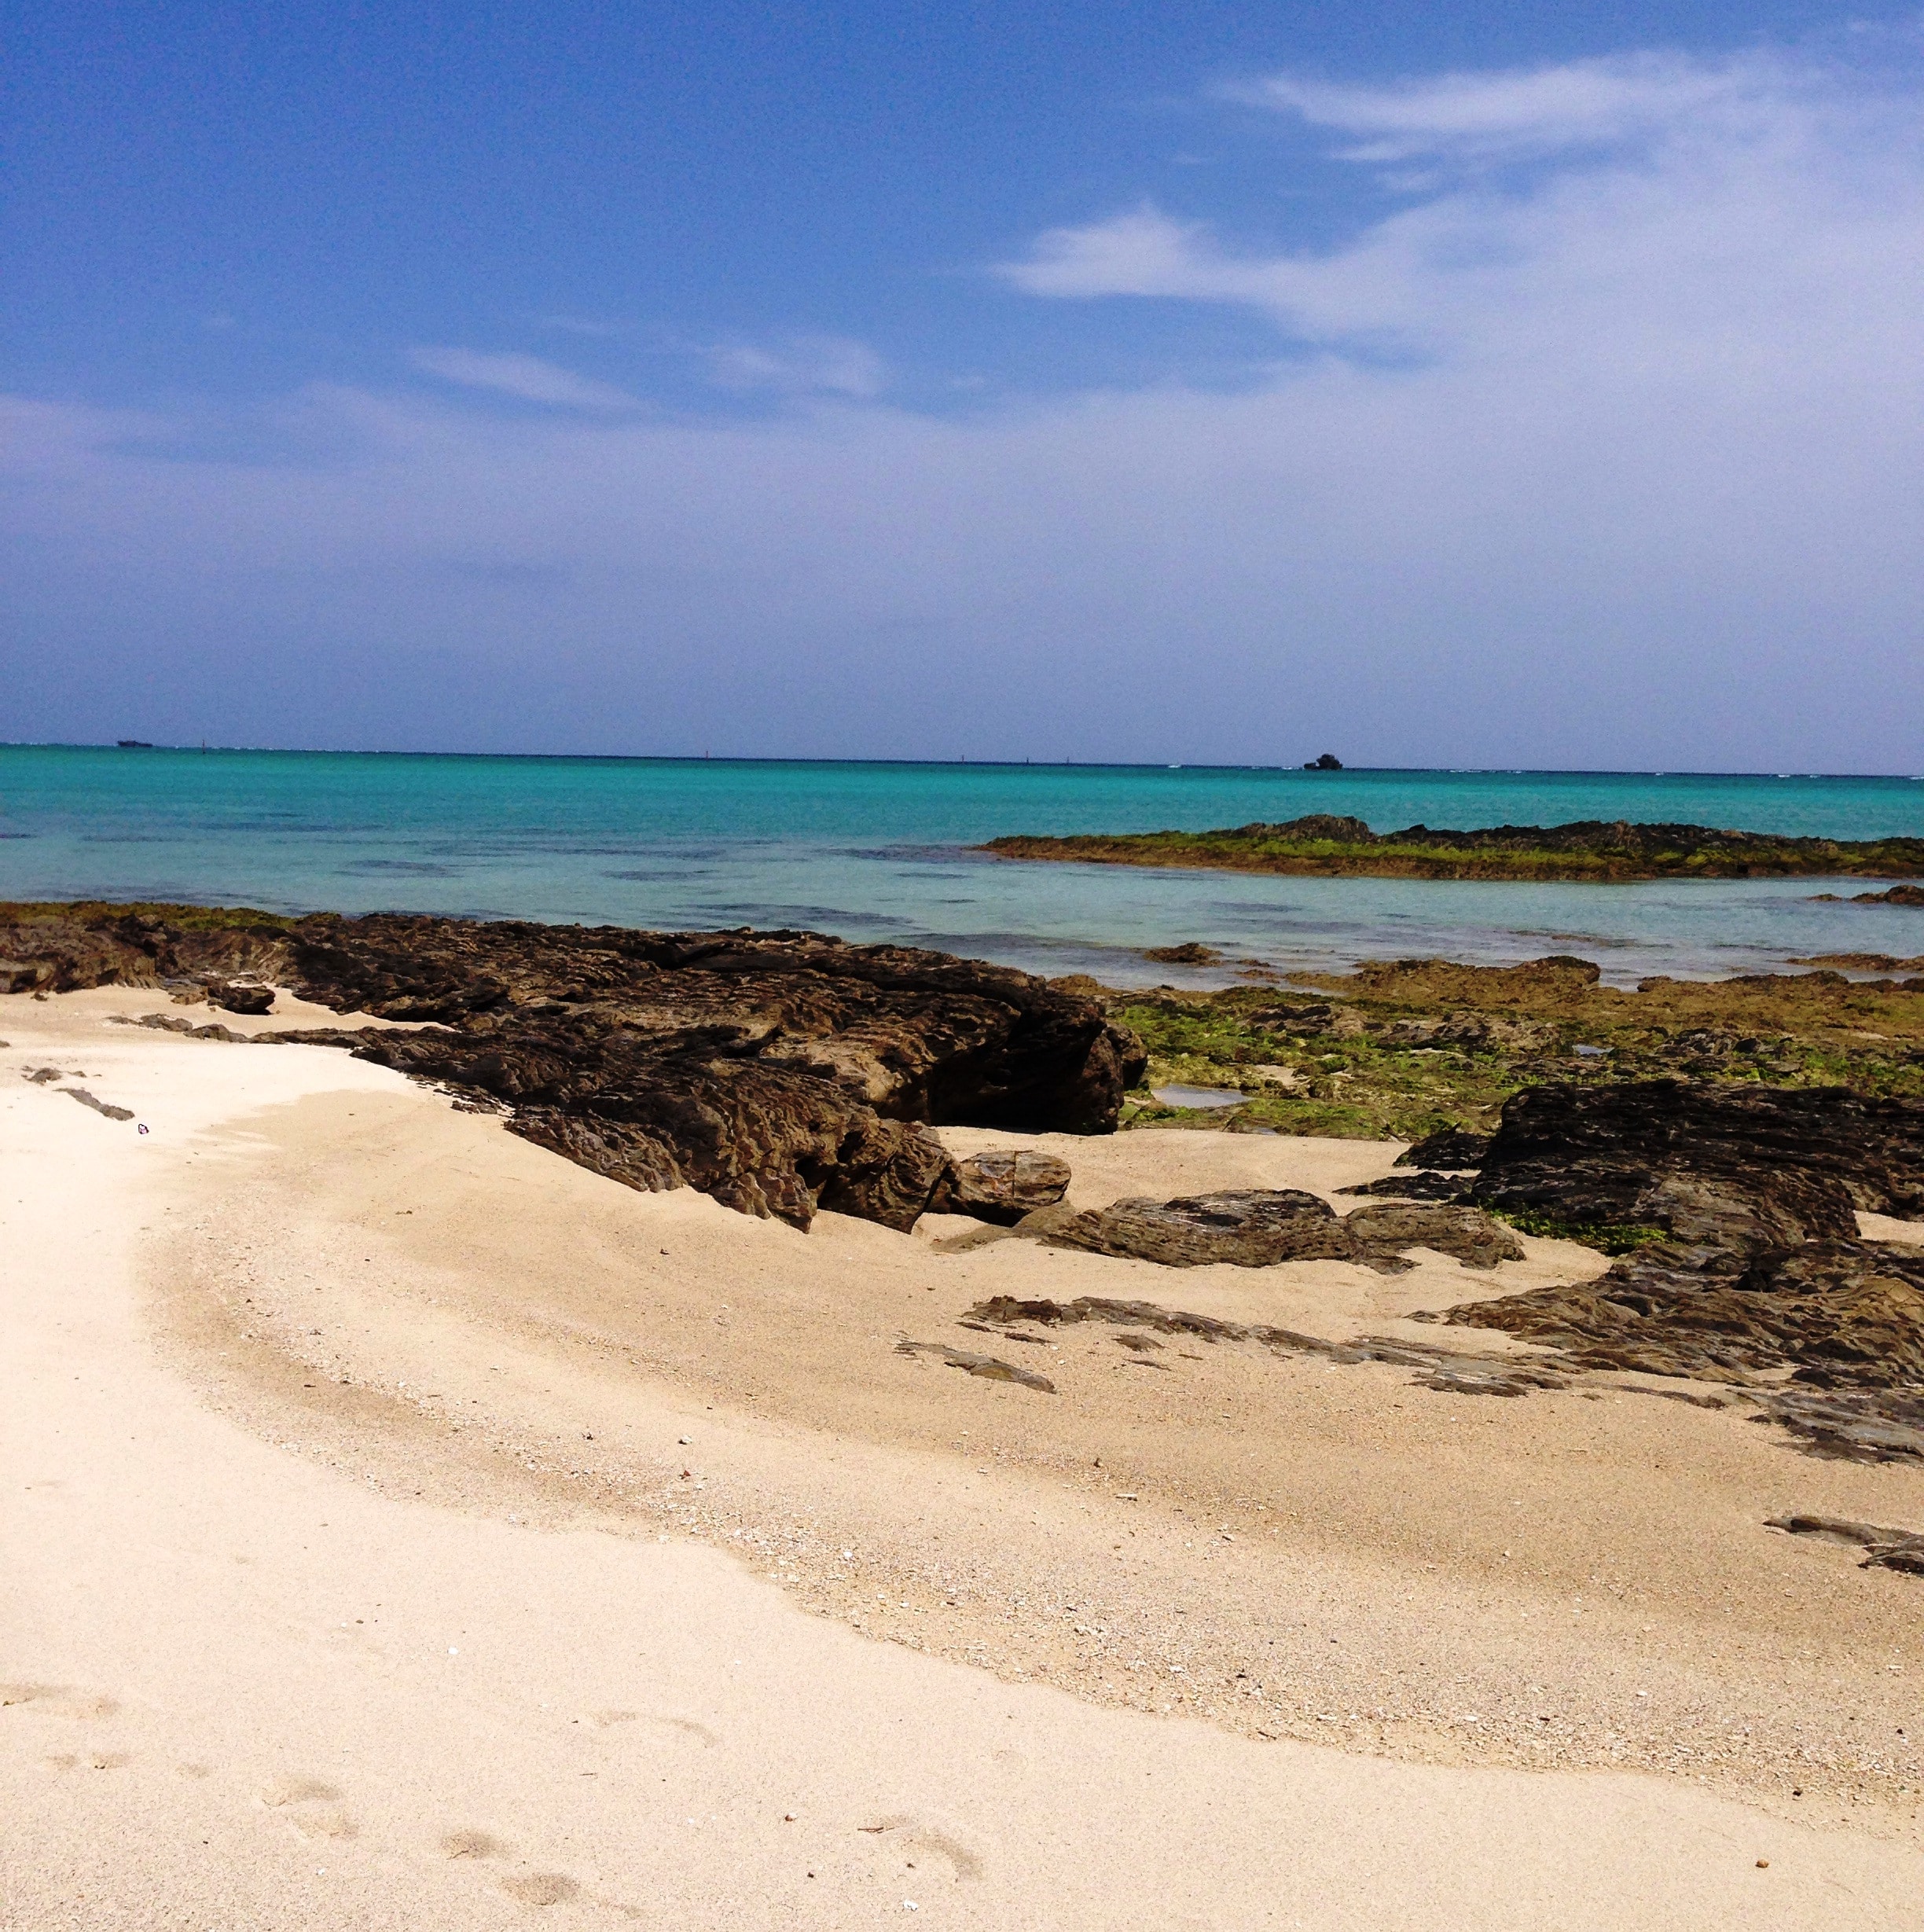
[[1325, 844]]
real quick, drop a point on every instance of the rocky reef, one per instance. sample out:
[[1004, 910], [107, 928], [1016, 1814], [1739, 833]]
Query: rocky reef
[[1326, 843], [779, 1072], [1401, 1049]]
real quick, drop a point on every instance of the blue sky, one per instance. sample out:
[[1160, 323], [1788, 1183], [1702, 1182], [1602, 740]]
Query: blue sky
[[1477, 384]]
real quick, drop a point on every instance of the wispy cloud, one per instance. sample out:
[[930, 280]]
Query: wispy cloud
[[1747, 207], [1533, 110], [527, 378], [800, 365]]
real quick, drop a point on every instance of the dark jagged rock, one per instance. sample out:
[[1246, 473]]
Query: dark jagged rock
[[235, 997], [1857, 1425], [1190, 953], [1737, 1167], [1003, 1187], [99, 1106], [1589, 849], [1898, 895], [1448, 1148], [1841, 1314], [781, 1072], [1425, 1187], [1390, 1227]]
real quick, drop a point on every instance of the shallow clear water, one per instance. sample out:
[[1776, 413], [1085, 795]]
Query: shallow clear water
[[875, 851]]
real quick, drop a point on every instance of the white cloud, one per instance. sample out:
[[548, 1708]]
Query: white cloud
[[526, 378], [801, 365], [1785, 225], [1533, 109]]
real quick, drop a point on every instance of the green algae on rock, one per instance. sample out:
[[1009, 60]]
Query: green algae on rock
[[1327, 844]]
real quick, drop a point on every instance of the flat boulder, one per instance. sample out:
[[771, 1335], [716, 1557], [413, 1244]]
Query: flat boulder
[[1465, 1234], [1003, 1187], [1253, 1228]]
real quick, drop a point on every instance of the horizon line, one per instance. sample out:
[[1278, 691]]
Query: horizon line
[[947, 764]]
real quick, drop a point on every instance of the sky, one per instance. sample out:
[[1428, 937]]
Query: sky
[[1466, 385]]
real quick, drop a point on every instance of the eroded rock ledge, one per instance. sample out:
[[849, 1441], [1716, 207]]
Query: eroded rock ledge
[[779, 1072]]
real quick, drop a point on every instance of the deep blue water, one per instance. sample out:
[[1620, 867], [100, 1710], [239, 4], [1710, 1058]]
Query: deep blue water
[[876, 851]]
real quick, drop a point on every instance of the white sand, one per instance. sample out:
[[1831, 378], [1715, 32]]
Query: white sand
[[256, 1681]]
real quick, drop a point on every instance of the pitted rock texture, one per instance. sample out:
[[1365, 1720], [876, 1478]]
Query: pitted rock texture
[[782, 1072]]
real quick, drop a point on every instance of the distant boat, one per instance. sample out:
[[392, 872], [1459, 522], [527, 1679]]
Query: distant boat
[[135, 744]]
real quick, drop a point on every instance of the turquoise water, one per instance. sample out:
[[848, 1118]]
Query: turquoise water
[[878, 852]]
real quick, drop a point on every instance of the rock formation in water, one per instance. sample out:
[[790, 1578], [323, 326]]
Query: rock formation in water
[[781, 1072], [1328, 844]]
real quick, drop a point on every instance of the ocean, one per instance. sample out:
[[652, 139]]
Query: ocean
[[878, 852]]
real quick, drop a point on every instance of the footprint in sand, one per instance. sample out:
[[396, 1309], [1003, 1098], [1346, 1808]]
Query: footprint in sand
[[310, 1805], [540, 1888], [606, 1718], [59, 1700], [472, 1844], [917, 1843]]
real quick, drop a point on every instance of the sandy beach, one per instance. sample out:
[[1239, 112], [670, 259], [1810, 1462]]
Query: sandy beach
[[405, 1526]]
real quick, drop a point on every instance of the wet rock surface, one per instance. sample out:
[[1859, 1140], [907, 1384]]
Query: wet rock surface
[[781, 1072]]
